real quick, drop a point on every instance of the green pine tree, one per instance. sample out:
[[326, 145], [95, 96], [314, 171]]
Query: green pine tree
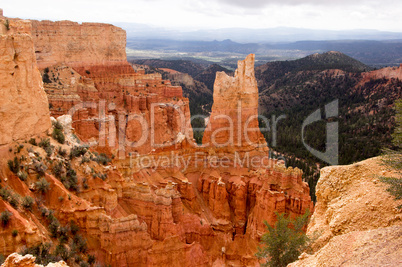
[[283, 243], [393, 158]]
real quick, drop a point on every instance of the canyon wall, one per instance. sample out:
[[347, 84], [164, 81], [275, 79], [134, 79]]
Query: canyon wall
[[73, 43], [24, 108], [86, 75], [162, 202]]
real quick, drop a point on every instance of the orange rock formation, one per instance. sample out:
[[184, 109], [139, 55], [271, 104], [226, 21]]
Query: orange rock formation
[[355, 217], [90, 78], [171, 203], [77, 44], [388, 73], [24, 107], [234, 118], [15, 260]]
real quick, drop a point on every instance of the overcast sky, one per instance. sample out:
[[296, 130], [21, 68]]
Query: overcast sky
[[207, 14]]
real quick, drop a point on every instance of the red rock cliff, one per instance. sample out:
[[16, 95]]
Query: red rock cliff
[[78, 44], [24, 108], [86, 63], [150, 210]]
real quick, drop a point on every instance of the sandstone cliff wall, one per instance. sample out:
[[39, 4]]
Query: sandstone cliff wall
[[86, 63], [78, 44], [143, 215], [24, 108]]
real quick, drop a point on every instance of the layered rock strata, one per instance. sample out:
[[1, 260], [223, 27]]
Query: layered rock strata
[[172, 203], [86, 74], [73, 43], [234, 119], [355, 217], [24, 108]]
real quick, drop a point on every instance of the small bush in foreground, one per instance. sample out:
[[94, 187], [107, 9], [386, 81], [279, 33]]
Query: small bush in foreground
[[32, 141], [22, 175], [5, 217], [14, 200], [14, 165], [5, 193], [78, 151], [42, 185], [58, 134], [393, 158], [14, 233], [284, 242], [27, 202], [102, 158]]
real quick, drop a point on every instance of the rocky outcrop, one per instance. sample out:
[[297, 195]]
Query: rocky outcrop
[[82, 64], [351, 198], [234, 118], [16, 260], [378, 247], [241, 201], [24, 108], [281, 190], [384, 73], [73, 43], [356, 217], [28, 232], [156, 204], [103, 99]]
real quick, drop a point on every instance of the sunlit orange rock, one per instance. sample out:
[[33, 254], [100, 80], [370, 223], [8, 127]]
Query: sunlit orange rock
[[234, 118], [205, 206], [24, 110]]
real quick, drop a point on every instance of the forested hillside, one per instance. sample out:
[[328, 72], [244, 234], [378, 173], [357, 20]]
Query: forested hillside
[[298, 88]]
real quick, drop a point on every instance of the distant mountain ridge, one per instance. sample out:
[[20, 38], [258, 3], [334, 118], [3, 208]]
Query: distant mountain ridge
[[227, 52], [297, 88], [185, 66], [244, 35], [209, 74], [267, 74]]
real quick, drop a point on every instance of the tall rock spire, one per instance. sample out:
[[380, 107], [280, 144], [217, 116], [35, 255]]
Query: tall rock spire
[[234, 117]]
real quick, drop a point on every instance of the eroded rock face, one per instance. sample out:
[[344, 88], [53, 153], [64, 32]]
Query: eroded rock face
[[355, 217], [233, 121], [86, 75], [16, 260], [73, 43], [388, 73], [378, 247], [351, 198], [24, 108], [150, 215], [116, 106]]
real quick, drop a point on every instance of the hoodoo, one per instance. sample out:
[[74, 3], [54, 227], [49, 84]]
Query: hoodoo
[[172, 203], [234, 119]]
